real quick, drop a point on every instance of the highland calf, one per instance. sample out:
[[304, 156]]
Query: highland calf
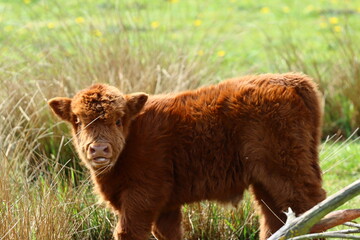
[[149, 155]]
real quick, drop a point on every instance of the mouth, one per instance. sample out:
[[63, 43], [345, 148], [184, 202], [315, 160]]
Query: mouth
[[100, 161]]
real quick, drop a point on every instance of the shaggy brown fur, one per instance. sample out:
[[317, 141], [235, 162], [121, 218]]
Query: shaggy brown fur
[[149, 156]]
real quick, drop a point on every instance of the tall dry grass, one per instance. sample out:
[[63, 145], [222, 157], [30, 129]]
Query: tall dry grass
[[38, 200], [44, 191], [337, 71], [208, 220]]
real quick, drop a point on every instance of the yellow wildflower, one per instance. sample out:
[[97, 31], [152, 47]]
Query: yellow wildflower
[[155, 24], [221, 53], [309, 8], [323, 25], [337, 29], [200, 53], [197, 22], [51, 25], [27, 1], [286, 9], [265, 10], [79, 20], [173, 1], [334, 20], [137, 20], [8, 28], [40, 55], [358, 9], [67, 54], [97, 33], [21, 31]]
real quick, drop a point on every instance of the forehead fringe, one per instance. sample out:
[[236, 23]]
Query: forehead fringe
[[98, 101]]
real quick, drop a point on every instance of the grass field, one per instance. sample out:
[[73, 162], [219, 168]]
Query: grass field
[[54, 48], [227, 38]]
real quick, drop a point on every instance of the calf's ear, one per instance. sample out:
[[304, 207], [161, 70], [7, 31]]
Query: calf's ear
[[135, 102], [61, 107]]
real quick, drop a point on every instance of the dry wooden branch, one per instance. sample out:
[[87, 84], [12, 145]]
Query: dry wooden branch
[[325, 235], [297, 226], [334, 219], [351, 224], [334, 234]]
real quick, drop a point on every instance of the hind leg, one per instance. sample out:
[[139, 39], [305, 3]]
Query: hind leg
[[284, 171], [168, 225], [283, 177], [277, 194], [271, 217]]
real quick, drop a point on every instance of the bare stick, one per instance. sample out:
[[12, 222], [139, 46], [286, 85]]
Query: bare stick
[[325, 235], [338, 234], [334, 219], [351, 224], [302, 224]]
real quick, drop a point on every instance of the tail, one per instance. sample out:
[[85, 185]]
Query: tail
[[307, 89]]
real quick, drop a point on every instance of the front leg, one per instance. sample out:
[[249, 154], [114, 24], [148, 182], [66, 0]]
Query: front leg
[[168, 225], [139, 209], [134, 225]]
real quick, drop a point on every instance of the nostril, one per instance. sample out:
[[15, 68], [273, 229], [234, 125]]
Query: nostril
[[106, 150], [98, 150], [92, 150]]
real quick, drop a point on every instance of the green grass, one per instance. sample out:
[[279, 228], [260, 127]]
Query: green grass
[[54, 48], [238, 37], [340, 164], [242, 29]]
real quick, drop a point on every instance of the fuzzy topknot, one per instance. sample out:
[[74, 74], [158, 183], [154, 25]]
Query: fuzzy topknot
[[98, 101]]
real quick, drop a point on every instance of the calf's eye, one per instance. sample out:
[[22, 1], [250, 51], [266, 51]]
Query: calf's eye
[[77, 121], [118, 122]]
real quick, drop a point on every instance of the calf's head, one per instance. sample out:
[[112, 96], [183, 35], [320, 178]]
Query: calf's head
[[100, 117]]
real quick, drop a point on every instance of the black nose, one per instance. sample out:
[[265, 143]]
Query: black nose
[[97, 150]]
